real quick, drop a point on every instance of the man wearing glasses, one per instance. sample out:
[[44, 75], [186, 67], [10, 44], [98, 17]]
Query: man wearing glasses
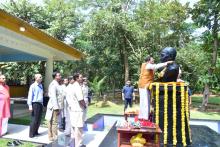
[[35, 104]]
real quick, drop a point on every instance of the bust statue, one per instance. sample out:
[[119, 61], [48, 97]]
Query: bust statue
[[169, 73]]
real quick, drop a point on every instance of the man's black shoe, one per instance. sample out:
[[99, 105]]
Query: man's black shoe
[[37, 134], [19, 142], [31, 136], [16, 143], [12, 144]]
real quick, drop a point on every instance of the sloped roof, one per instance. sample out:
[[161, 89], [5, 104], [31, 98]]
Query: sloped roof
[[14, 24]]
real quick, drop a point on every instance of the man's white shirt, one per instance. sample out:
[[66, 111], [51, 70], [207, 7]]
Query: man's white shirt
[[74, 94]]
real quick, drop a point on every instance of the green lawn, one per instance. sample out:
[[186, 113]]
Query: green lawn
[[204, 115], [3, 143], [212, 100], [113, 108], [25, 120]]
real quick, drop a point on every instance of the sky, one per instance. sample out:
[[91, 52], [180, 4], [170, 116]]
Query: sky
[[40, 1], [191, 3]]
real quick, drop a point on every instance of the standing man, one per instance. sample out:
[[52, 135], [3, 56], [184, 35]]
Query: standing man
[[68, 128], [85, 89], [35, 104], [146, 78], [77, 106], [4, 105], [53, 106], [128, 94]]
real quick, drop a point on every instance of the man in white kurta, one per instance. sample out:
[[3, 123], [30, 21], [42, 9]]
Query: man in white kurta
[[77, 106]]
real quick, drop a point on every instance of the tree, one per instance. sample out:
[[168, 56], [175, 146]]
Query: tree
[[207, 14]]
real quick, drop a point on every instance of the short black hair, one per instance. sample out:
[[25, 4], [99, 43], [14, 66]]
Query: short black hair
[[54, 74], [70, 78], [147, 58], [76, 76]]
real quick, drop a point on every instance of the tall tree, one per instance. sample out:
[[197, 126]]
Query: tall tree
[[206, 13]]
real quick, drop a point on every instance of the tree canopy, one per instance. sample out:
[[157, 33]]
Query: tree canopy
[[116, 36]]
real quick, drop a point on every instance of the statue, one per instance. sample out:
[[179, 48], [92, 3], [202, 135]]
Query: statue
[[171, 72]]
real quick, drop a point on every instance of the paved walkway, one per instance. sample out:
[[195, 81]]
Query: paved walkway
[[21, 132]]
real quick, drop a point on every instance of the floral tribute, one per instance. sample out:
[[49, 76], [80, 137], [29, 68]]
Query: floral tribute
[[171, 112]]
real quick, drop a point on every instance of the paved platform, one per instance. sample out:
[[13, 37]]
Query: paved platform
[[21, 132]]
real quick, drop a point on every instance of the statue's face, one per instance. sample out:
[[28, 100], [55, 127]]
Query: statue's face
[[168, 54]]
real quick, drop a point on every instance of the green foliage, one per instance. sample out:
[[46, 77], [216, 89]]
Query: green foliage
[[22, 72], [207, 14], [194, 65], [97, 86], [117, 35]]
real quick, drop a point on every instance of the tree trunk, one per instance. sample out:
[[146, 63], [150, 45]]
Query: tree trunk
[[126, 66], [113, 87], [205, 97], [213, 62]]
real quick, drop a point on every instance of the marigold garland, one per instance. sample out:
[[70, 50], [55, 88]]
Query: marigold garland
[[183, 114], [165, 112], [184, 110], [187, 113], [157, 102], [174, 114]]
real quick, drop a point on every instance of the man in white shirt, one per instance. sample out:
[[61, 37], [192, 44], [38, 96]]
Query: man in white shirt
[[77, 106]]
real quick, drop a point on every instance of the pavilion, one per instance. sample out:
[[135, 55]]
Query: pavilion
[[19, 41]]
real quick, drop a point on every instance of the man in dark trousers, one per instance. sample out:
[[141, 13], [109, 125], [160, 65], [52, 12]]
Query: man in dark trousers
[[128, 94], [35, 104]]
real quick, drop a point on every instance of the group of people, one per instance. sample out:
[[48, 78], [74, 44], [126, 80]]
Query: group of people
[[68, 98]]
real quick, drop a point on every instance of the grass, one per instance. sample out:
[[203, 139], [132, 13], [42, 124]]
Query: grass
[[212, 100], [112, 108], [204, 115], [94, 108], [194, 112], [3, 143], [24, 120]]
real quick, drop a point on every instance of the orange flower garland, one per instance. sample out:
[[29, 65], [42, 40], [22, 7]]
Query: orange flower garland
[[165, 112], [174, 114], [183, 114], [187, 113], [157, 102]]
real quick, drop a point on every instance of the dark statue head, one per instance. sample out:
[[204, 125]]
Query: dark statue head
[[172, 70], [168, 54]]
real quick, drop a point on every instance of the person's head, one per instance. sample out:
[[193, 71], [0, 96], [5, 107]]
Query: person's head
[[38, 78], [56, 76], [70, 78], [128, 83], [168, 54], [149, 59], [85, 81], [65, 81], [2, 79], [78, 77]]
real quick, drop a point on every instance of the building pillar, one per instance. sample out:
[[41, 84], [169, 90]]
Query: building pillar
[[48, 73]]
